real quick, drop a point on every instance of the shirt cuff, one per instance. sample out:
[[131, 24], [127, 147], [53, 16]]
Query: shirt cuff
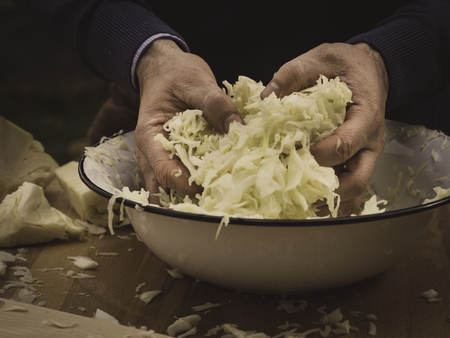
[[145, 45], [119, 31]]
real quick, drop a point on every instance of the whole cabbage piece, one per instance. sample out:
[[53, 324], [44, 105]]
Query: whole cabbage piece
[[26, 217], [263, 168], [22, 159]]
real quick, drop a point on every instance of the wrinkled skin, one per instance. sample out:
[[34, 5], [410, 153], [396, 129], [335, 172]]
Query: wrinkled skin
[[172, 81], [359, 141]]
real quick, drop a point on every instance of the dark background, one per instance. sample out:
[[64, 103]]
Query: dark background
[[44, 88]]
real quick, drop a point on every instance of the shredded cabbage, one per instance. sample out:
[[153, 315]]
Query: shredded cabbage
[[263, 168], [440, 194]]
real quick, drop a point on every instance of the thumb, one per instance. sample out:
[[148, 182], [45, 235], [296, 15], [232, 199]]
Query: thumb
[[217, 107], [293, 76], [303, 71]]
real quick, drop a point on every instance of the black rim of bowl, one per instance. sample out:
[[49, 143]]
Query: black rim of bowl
[[255, 221]]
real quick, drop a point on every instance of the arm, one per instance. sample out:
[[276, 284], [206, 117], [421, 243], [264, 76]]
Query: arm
[[404, 58], [359, 141], [125, 42], [415, 46], [172, 81], [108, 36]]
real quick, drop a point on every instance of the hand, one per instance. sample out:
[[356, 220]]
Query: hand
[[172, 81], [359, 141]]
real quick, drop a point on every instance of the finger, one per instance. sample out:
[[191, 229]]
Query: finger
[[151, 183], [353, 182], [291, 77], [217, 107], [300, 73], [346, 208], [345, 142], [350, 207], [354, 179], [157, 166]]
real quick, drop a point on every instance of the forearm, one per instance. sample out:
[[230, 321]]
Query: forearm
[[108, 36], [130, 28], [415, 45]]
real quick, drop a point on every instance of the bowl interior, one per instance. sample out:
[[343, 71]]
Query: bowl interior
[[415, 160]]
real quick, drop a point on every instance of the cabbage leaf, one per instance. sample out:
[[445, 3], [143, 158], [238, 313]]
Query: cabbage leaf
[[22, 159]]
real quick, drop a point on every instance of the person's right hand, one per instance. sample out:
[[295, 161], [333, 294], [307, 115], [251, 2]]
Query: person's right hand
[[170, 82]]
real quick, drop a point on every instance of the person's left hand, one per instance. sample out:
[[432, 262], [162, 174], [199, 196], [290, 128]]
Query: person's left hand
[[359, 141]]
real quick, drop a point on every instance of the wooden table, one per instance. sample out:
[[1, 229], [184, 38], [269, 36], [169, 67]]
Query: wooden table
[[393, 296]]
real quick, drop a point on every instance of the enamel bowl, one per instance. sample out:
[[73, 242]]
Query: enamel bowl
[[278, 256]]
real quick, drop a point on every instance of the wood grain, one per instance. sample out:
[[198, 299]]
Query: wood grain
[[393, 296], [39, 322]]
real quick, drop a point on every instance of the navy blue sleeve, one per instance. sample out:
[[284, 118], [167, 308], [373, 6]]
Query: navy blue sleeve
[[415, 45], [107, 35]]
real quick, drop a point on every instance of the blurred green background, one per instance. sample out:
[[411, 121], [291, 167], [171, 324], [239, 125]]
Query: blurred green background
[[44, 87]]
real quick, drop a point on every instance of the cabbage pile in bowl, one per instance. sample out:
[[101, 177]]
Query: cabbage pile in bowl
[[263, 168]]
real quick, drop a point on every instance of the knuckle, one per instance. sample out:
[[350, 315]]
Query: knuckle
[[139, 133], [346, 148], [160, 171], [360, 185], [217, 107], [327, 51], [140, 158], [381, 144], [332, 54], [291, 70], [140, 144], [291, 76], [212, 99], [350, 207]]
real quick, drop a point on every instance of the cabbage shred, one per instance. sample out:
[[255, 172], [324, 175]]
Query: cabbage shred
[[263, 168]]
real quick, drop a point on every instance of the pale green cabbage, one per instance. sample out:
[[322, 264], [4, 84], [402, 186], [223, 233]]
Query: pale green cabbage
[[373, 206], [22, 159], [263, 168], [26, 217], [440, 194]]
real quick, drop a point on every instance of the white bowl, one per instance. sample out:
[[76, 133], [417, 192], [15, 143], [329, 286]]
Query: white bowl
[[274, 256]]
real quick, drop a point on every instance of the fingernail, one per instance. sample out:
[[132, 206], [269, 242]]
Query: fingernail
[[272, 87], [234, 117]]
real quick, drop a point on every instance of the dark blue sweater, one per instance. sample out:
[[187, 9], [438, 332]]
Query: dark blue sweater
[[255, 39]]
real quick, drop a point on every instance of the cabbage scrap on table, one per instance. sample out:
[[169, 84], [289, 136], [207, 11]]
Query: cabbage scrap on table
[[263, 168]]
